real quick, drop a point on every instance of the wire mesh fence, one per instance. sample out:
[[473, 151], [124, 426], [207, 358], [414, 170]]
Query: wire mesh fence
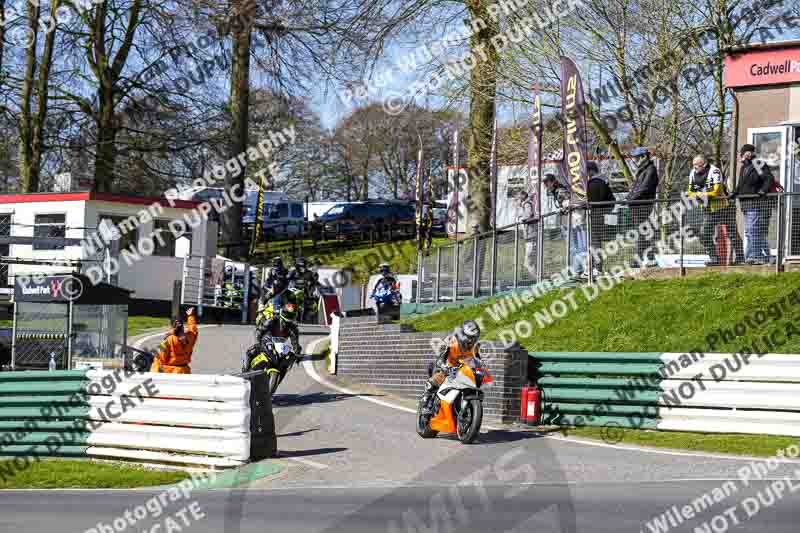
[[675, 234], [40, 331]]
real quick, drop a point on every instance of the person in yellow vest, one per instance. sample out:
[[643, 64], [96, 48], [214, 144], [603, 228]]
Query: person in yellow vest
[[463, 342], [175, 353]]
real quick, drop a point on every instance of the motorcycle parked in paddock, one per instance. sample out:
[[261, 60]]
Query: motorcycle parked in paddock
[[458, 403]]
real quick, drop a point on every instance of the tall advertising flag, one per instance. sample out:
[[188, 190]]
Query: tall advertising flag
[[429, 214], [535, 156], [493, 172], [572, 109], [420, 228], [259, 214]]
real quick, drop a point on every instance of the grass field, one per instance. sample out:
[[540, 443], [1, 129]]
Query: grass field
[[138, 324], [58, 473]]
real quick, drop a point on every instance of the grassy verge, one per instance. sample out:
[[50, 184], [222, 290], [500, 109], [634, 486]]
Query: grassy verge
[[138, 324], [640, 316], [56, 473], [732, 443]]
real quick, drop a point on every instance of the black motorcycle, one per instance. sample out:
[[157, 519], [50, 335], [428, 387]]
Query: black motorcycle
[[275, 356]]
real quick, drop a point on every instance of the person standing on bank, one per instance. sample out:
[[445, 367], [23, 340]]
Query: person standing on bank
[[598, 190], [755, 179], [706, 180], [528, 214], [643, 190]]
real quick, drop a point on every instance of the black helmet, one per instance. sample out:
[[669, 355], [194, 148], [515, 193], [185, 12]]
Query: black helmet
[[289, 312], [384, 268], [469, 333], [277, 262]]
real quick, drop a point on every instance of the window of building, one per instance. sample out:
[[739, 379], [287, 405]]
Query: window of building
[[49, 226], [168, 249], [297, 211], [127, 239], [279, 211]]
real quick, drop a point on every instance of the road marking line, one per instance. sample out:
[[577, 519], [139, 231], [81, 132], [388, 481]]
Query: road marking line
[[312, 373], [306, 462], [663, 452]]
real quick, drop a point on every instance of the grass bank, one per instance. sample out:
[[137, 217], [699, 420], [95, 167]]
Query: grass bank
[[63, 474], [677, 315], [674, 315]]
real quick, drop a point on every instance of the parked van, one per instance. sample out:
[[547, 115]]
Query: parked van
[[282, 216]]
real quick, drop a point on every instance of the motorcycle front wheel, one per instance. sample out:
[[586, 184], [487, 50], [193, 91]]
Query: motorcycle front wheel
[[274, 381], [424, 423], [469, 421]]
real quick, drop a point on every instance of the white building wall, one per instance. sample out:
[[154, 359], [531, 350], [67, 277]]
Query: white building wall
[[23, 218], [151, 277]]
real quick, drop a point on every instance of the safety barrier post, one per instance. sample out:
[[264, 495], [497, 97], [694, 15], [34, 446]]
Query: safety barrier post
[[590, 258], [516, 255], [539, 250], [185, 275], [200, 287], [437, 280], [246, 298], [419, 278], [681, 230], [476, 272], [455, 270], [782, 233], [493, 272]]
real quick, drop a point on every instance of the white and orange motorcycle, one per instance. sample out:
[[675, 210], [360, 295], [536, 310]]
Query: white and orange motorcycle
[[458, 403]]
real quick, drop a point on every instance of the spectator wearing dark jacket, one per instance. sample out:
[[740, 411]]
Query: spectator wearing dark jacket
[[643, 189], [707, 181], [755, 179], [598, 190]]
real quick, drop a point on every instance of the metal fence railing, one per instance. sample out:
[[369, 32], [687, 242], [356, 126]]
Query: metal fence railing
[[675, 234]]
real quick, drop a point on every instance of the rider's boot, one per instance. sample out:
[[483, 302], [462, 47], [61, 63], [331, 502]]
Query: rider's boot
[[427, 396]]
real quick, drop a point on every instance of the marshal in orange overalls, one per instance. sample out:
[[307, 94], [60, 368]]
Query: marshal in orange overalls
[[174, 355]]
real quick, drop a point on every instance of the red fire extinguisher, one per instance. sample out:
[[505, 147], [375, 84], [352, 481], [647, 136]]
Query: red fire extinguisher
[[531, 405]]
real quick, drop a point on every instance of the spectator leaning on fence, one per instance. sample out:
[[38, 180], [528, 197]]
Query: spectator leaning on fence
[[577, 235], [706, 180], [755, 180], [528, 214], [598, 190], [643, 190]]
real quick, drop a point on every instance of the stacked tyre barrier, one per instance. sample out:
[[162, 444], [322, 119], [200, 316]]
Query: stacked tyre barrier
[[715, 393], [195, 420]]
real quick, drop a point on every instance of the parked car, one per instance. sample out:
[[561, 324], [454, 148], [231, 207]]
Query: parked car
[[353, 217]]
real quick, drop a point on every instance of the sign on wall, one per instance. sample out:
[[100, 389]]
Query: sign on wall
[[763, 67]]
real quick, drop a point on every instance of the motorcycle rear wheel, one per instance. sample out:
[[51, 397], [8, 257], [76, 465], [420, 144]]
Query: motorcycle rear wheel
[[468, 431], [424, 423]]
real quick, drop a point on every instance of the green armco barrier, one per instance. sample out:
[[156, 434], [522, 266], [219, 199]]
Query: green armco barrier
[[600, 395], [57, 438], [612, 369], [632, 422], [592, 408], [597, 383], [42, 451], [35, 400], [42, 415], [35, 413], [44, 375], [14, 426], [51, 388]]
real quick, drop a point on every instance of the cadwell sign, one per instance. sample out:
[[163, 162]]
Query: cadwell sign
[[763, 67]]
